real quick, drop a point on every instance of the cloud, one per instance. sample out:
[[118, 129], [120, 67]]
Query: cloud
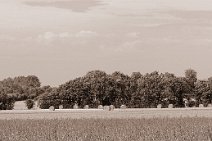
[[86, 34], [51, 36], [48, 36], [74, 5], [129, 46], [133, 34], [122, 47]]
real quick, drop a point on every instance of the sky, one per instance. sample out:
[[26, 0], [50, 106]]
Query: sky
[[59, 40]]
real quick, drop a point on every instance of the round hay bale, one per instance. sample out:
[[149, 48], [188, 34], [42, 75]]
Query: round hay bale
[[61, 107], [111, 108], [86, 107], [123, 107], [75, 106], [159, 106], [106, 108], [209, 105], [201, 105], [171, 106], [100, 107], [51, 108]]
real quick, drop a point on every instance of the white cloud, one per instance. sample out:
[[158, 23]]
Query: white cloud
[[48, 36], [86, 33], [133, 34], [122, 47], [52, 36], [64, 35], [129, 46]]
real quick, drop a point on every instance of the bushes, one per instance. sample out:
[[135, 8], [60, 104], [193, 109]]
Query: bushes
[[29, 103], [6, 102], [46, 103], [50, 98]]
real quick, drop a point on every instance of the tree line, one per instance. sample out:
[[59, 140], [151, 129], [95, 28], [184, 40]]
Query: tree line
[[99, 88]]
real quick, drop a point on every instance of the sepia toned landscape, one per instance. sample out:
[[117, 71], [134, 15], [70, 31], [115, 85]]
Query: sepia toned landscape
[[105, 70], [99, 106], [165, 129]]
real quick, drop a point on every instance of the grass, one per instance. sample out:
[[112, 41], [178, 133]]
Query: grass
[[151, 129]]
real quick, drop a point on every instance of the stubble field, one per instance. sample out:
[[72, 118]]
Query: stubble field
[[119, 125]]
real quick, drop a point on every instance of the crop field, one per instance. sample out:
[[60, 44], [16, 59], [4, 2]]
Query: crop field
[[152, 129], [99, 125]]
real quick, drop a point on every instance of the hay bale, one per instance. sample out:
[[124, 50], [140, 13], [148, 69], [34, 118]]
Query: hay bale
[[209, 105], [51, 108], [86, 107], [75, 106], [159, 106], [100, 107], [201, 105], [61, 107], [171, 106], [123, 107], [111, 108], [106, 108]]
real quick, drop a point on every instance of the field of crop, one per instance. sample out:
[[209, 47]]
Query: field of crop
[[152, 129], [99, 125]]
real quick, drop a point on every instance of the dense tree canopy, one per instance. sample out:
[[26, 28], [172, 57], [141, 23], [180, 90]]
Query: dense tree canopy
[[99, 88], [19, 88], [136, 91]]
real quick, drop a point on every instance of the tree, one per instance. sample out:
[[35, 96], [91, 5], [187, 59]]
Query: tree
[[134, 80], [97, 87], [48, 99], [29, 103], [6, 102], [167, 93], [210, 82], [149, 90], [121, 89], [29, 81], [136, 75], [21, 87], [201, 91], [175, 89], [181, 90], [191, 76], [94, 87]]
